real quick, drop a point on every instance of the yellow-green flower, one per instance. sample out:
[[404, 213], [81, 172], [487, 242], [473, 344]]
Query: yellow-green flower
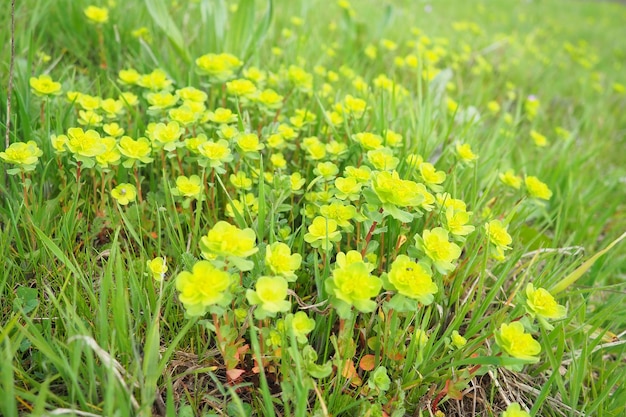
[[514, 410], [301, 325], [161, 100], [326, 170], [222, 116], [465, 153], [59, 143], [128, 76], [390, 188], [89, 118], [369, 141], [157, 80], [509, 178], [135, 150], [515, 342], [217, 153], [537, 189], [203, 287], [24, 154], [269, 295], [227, 240], [281, 261], [456, 222], [192, 94], [432, 178], [412, 279], [353, 285], [322, 233], [113, 129], [124, 193], [270, 99], [539, 139], [85, 144], [220, 66], [339, 212], [347, 188], [457, 340], [97, 14], [434, 243], [249, 143], [189, 186], [43, 86], [296, 181], [241, 88], [167, 135], [382, 159], [542, 304], [157, 268], [499, 237], [111, 156]]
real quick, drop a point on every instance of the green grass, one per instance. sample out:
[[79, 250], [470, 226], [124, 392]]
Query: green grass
[[86, 330]]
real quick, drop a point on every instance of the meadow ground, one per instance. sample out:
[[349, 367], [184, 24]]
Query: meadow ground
[[365, 208]]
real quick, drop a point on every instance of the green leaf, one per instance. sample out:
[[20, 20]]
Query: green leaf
[[26, 299], [575, 276], [161, 17]]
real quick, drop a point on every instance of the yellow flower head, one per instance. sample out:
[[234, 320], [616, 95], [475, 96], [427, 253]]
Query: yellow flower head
[[202, 287], [432, 178], [124, 193], [301, 325], [281, 261], [111, 156], [465, 153], [128, 76], [44, 86], [514, 410], [241, 87], [537, 189], [541, 303], [353, 285], [97, 14], [220, 66], [499, 237], [139, 149], [457, 340], [269, 295], [85, 144], [515, 342], [412, 279], [157, 80], [222, 116], [322, 233], [167, 135], [382, 159], [157, 268], [434, 243], [390, 188], [539, 139], [456, 222], [369, 141], [347, 188], [509, 178], [249, 142], [189, 186], [227, 240], [339, 212], [24, 154], [216, 152]]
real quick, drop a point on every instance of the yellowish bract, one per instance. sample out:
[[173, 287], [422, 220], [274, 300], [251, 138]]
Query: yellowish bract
[[203, 287], [412, 279], [515, 342]]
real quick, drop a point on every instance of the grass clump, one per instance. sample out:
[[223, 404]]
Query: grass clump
[[234, 209]]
